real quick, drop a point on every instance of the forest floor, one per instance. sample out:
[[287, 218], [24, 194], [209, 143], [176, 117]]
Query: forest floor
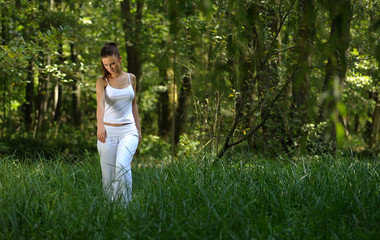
[[193, 198]]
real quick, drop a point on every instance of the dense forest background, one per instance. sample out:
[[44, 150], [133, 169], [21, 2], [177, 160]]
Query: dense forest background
[[268, 76]]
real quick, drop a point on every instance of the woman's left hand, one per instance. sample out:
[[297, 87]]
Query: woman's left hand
[[140, 137]]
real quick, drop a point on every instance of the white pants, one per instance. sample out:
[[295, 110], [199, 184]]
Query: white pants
[[115, 158]]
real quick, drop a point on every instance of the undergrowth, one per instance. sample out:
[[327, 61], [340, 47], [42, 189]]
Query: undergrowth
[[247, 197]]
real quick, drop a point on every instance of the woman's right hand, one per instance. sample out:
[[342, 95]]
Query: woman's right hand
[[102, 134]]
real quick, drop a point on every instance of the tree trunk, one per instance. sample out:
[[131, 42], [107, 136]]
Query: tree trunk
[[301, 80], [58, 90], [4, 41], [254, 69], [4, 24], [164, 119], [77, 115], [336, 66], [183, 102], [42, 100], [267, 80], [132, 25], [217, 120], [29, 95], [164, 111], [375, 129], [301, 74], [57, 103]]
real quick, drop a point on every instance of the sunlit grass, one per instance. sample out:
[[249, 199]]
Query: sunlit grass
[[193, 199]]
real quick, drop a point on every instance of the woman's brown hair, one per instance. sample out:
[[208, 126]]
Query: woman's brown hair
[[109, 49]]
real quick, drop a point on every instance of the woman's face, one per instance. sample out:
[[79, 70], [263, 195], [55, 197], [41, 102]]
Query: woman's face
[[112, 64]]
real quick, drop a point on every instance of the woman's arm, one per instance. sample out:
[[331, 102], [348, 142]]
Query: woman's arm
[[135, 109], [100, 100]]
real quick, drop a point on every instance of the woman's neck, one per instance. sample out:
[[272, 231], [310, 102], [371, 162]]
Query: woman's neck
[[116, 75]]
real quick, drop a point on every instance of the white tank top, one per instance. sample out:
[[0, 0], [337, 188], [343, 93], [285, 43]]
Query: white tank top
[[118, 104]]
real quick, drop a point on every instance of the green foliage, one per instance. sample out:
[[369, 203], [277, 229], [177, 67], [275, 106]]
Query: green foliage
[[238, 54], [188, 147], [152, 147], [315, 144]]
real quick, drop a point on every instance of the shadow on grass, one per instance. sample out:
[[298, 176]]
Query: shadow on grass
[[37, 149]]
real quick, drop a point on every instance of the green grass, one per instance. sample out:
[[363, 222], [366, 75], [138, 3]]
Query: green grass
[[193, 199]]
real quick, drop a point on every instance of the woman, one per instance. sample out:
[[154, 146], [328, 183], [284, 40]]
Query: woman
[[119, 131]]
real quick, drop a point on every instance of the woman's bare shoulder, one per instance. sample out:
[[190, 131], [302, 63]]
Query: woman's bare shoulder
[[101, 82], [133, 78]]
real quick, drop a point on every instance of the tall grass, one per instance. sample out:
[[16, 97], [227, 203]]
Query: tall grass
[[193, 199]]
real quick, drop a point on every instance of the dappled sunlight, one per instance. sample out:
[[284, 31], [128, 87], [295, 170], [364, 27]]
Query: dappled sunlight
[[259, 119]]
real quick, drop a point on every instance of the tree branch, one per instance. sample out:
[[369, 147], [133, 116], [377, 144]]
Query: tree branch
[[252, 130]]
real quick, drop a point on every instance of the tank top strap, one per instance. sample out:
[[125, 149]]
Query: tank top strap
[[129, 78], [107, 81]]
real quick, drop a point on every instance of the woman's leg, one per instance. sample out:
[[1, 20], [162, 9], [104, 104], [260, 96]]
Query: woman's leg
[[107, 153], [126, 149]]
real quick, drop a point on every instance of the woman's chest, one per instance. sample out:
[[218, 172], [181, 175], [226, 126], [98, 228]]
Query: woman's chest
[[113, 94]]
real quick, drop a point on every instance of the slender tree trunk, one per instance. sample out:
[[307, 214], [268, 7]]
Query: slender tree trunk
[[337, 65], [375, 128], [132, 25], [267, 80], [29, 96], [164, 120], [57, 108], [57, 103], [217, 120], [76, 90], [301, 80], [42, 100], [57, 111], [183, 102], [4, 24], [4, 41], [4, 115], [301, 75], [164, 111], [76, 96]]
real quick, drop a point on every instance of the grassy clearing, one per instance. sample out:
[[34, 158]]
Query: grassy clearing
[[193, 199]]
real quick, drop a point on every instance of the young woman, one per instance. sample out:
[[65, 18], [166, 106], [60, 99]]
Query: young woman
[[119, 131]]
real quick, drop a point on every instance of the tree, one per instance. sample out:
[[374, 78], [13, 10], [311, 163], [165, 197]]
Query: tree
[[263, 75], [375, 128], [336, 67], [262, 50], [132, 24], [302, 70]]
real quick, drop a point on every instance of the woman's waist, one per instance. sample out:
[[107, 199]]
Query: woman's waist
[[117, 124], [121, 129]]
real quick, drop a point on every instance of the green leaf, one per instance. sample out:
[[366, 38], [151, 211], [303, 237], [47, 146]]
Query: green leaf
[[340, 135]]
